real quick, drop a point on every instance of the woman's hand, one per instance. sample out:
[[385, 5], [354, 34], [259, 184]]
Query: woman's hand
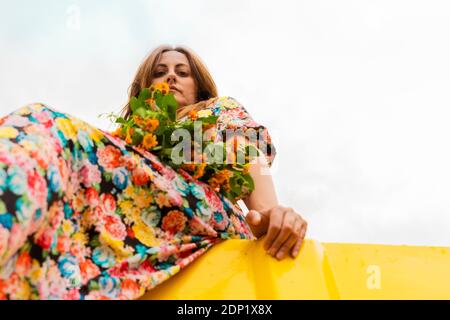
[[285, 230]]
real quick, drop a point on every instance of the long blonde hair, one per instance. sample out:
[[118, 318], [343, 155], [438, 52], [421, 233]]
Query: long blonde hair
[[206, 87]]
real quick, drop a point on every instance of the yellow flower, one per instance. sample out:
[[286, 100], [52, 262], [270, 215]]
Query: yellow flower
[[23, 290], [8, 132], [81, 238], [162, 86], [95, 134], [115, 244], [204, 113], [67, 128], [129, 191], [149, 141], [129, 210], [36, 271], [145, 234], [67, 227], [87, 218]]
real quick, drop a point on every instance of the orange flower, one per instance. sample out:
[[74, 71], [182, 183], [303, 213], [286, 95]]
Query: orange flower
[[128, 138], [200, 170], [193, 115], [151, 124], [213, 183], [149, 141], [149, 101], [130, 289], [174, 221], [88, 270], [162, 200], [225, 175], [23, 263], [139, 121], [189, 167], [117, 132]]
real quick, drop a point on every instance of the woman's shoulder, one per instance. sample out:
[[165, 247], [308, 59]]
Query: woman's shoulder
[[224, 103], [231, 113]]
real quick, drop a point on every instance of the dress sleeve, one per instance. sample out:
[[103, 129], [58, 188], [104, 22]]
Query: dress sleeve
[[232, 115]]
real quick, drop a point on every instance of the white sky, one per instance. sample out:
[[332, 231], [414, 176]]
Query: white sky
[[355, 93]]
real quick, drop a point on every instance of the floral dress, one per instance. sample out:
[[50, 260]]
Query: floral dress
[[83, 215]]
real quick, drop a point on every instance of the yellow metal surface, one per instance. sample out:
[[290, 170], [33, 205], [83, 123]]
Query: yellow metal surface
[[241, 269]]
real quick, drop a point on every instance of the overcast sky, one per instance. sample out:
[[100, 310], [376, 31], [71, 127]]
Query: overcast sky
[[354, 93]]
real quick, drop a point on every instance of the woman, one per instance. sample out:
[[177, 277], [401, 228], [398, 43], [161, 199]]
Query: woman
[[83, 215]]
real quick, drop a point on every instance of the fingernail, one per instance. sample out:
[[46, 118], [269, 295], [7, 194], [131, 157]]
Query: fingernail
[[280, 255]]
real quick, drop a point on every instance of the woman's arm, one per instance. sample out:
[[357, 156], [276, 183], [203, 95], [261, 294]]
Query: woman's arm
[[263, 196], [285, 228]]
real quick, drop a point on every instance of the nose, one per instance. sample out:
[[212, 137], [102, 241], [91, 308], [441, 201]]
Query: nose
[[171, 78]]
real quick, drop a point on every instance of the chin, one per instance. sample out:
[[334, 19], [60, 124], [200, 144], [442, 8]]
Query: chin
[[181, 102]]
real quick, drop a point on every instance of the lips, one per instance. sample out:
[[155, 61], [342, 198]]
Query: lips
[[173, 89]]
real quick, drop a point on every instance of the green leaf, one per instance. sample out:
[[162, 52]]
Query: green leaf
[[172, 106], [137, 137], [144, 95], [121, 120], [134, 104], [141, 112], [209, 119], [251, 184], [172, 112], [235, 188]]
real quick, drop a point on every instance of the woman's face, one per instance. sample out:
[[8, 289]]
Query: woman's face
[[174, 69]]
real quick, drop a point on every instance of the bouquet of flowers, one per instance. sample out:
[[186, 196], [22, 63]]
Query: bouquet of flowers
[[153, 126]]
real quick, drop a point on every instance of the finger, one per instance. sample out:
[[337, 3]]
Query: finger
[[275, 222], [296, 249], [253, 217], [287, 229], [290, 242]]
